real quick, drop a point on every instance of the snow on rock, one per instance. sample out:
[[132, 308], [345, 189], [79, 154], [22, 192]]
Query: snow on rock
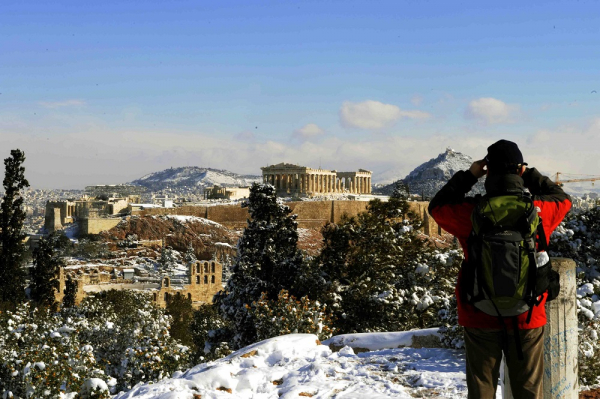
[[297, 365], [193, 176], [191, 219], [585, 289], [427, 178], [377, 341]]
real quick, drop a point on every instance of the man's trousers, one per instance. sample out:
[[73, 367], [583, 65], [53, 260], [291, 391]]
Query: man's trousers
[[484, 354]]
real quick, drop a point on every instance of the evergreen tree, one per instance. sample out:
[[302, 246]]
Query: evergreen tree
[[47, 261], [12, 215], [190, 254], [167, 258], [268, 261], [374, 271], [70, 293], [401, 190], [180, 309], [210, 334]]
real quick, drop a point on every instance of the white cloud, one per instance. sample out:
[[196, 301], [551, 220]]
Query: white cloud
[[61, 104], [417, 99], [374, 114], [56, 144], [308, 132], [491, 111]]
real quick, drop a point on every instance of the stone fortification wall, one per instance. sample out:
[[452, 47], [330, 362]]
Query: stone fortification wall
[[311, 214], [96, 225]]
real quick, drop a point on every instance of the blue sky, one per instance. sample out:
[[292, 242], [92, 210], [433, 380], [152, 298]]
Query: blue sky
[[107, 92]]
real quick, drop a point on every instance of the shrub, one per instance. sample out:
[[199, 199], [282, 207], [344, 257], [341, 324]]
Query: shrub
[[287, 315]]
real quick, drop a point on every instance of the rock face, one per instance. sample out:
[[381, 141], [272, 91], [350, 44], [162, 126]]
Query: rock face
[[194, 176], [429, 177]]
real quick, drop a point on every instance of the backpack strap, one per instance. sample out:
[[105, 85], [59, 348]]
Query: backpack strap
[[542, 242], [518, 343]]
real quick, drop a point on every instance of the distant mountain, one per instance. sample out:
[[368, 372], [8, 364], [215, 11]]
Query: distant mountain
[[427, 178], [194, 177]]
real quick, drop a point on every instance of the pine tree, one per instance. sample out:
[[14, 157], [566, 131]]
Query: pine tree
[[374, 270], [180, 309], [268, 261], [47, 261], [210, 334], [190, 254], [401, 190], [167, 258], [70, 293], [12, 216]]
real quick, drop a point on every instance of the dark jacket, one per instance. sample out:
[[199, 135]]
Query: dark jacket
[[451, 209]]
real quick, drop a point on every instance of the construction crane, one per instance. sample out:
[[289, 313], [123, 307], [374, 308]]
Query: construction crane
[[561, 182]]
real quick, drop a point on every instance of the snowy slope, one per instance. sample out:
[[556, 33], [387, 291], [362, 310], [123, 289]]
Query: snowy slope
[[427, 178], [193, 176], [297, 365]]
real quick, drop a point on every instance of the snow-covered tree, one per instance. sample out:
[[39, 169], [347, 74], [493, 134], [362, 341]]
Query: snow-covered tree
[[578, 238], [268, 260], [401, 190], [130, 337], [168, 258], [210, 334], [43, 357], [376, 274], [288, 315], [12, 216], [190, 254]]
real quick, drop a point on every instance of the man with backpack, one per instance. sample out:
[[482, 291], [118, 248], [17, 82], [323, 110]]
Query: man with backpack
[[506, 277]]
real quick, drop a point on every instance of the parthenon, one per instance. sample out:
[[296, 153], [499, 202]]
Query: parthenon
[[299, 181]]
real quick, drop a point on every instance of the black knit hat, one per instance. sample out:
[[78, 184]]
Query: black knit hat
[[504, 154]]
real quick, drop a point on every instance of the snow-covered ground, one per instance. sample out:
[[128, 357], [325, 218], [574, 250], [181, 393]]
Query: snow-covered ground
[[298, 365]]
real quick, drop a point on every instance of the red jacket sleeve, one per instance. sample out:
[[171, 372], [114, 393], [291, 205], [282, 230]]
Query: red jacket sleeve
[[553, 202], [451, 208]]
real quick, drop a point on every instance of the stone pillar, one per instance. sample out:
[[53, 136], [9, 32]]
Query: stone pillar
[[560, 338]]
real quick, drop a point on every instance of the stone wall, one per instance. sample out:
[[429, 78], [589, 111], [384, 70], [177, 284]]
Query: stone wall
[[205, 280], [311, 214], [96, 225]]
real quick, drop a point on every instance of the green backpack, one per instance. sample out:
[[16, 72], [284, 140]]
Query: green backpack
[[501, 277]]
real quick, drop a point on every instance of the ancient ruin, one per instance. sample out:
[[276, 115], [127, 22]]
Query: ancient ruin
[[202, 281], [301, 181], [92, 214]]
